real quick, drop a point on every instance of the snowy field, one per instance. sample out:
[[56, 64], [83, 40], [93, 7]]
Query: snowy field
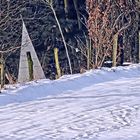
[[97, 105]]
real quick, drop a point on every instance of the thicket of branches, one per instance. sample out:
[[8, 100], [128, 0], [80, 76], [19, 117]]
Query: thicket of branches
[[108, 18], [43, 31], [88, 27]]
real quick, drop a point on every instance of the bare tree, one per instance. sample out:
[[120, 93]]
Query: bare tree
[[108, 18], [50, 4]]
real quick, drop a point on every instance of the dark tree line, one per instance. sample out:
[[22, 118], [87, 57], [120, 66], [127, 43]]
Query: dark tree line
[[80, 31], [43, 31]]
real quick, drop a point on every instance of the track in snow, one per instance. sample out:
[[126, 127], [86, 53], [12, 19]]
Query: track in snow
[[104, 111]]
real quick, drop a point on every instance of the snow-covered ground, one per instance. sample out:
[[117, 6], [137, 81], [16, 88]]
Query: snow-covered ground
[[97, 105]]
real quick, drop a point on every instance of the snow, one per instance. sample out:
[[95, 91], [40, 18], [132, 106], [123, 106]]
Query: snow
[[100, 104]]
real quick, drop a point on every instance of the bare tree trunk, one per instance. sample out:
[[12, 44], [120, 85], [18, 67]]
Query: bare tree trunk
[[88, 58], [115, 46], [1, 72], [97, 50], [77, 13], [66, 8], [62, 35], [57, 63], [88, 42]]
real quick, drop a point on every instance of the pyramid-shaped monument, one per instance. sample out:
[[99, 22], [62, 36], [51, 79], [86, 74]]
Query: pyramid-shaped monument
[[27, 47]]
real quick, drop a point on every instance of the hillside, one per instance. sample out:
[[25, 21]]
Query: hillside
[[97, 105]]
